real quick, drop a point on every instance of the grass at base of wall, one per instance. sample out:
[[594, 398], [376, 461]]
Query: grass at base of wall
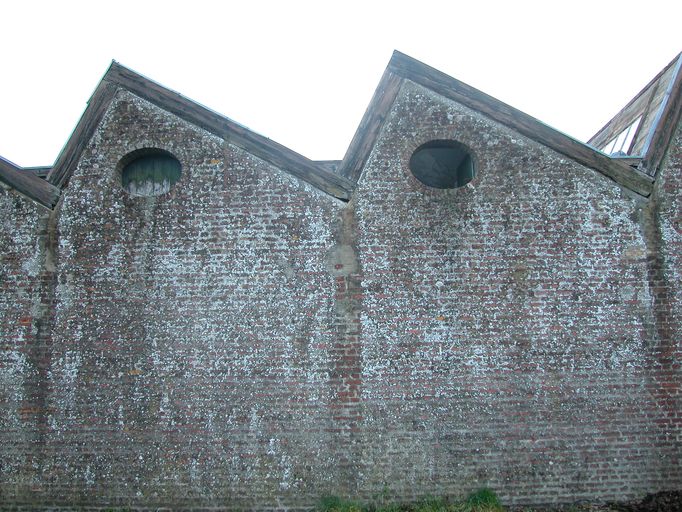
[[483, 500]]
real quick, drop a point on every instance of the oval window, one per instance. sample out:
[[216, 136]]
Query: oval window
[[150, 172], [443, 164]]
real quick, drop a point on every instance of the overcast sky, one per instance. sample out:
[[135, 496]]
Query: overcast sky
[[303, 72]]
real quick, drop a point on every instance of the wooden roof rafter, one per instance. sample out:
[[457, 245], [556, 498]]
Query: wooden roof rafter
[[27, 182], [638, 105], [656, 110], [192, 112], [402, 67], [667, 117]]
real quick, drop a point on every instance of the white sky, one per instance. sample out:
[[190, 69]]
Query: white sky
[[303, 72]]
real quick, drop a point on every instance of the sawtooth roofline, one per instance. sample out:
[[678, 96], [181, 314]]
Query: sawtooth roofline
[[339, 183]]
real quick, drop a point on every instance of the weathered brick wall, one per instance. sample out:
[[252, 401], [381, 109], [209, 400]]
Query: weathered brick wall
[[193, 347], [508, 337], [662, 223], [26, 266], [246, 341]]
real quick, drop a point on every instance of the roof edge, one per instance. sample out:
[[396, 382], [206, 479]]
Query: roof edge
[[28, 183], [643, 91], [451, 88], [370, 126], [256, 144], [68, 158], [666, 122], [118, 76]]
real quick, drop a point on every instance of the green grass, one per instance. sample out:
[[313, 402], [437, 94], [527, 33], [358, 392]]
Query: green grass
[[336, 504], [483, 500]]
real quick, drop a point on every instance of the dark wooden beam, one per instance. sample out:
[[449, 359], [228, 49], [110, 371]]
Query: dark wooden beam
[[666, 124], [624, 118], [449, 87], [370, 126], [632, 161], [70, 155], [329, 165], [262, 147], [40, 171], [639, 104], [29, 184]]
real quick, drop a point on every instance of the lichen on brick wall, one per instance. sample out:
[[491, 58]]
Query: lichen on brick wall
[[22, 406], [246, 341], [192, 327], [661, 224], [496, 315]]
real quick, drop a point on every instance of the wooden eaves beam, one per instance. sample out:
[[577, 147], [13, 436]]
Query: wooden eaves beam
[[28, 184], [256, 144], [525, 124]]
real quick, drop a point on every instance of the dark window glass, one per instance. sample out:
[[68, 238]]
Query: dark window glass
[[443, 164], [150, 174]]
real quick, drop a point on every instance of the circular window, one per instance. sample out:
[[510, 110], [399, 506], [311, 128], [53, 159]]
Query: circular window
[[149, 172], [443, 164]]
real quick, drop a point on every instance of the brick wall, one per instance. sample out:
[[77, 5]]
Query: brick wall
[[26, 288], [194, 331], [662, 223], [246, 341], [507, 327]]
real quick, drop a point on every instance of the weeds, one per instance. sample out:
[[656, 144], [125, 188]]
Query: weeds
[[336, 504], [483, 500]]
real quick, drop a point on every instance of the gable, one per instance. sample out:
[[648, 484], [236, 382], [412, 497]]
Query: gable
[[402, 67], [507, 165], [211, 170], [119, 77]]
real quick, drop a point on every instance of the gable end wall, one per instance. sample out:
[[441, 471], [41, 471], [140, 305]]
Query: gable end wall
[[248, 342], [508, 335]]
